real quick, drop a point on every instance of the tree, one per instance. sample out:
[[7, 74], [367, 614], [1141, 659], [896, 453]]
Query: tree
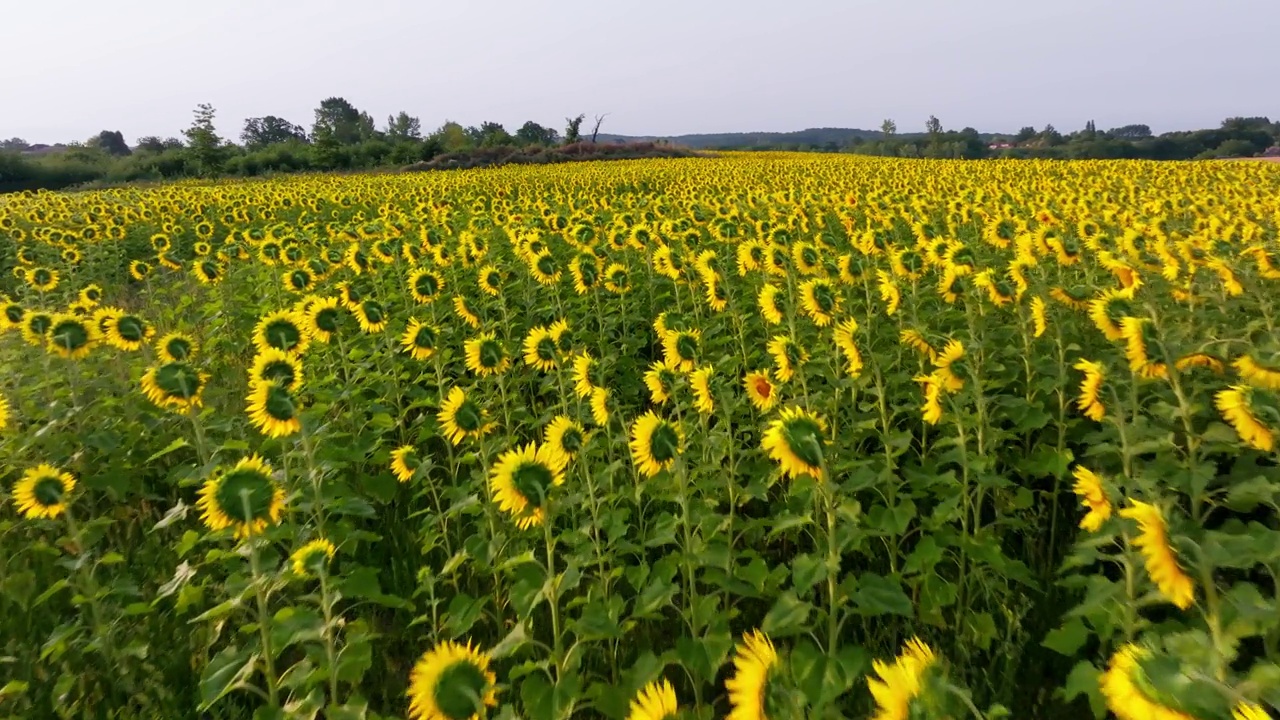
[[203, 142], [888, 128], [1130, 132], [1025, 134], [153, 143], [595, 131], [450, 137], [572, 131], [404, 127], [15, 144], [111, 142], [531, 133], [339, 122], [933, 126], [269, 130], [489, 134], [1050, 136]]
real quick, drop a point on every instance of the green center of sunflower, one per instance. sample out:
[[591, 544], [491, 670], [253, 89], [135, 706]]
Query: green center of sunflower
[[664, 443], [41, 276], [279, 403], [245, 495], [546, 265], [809, 256], [70, 334], [546, 349], [282, 335], [912, 261], [533, 480], [92, 294], [209, 269], [1118, 308], [178, 379], [333, 255], [491, 353], [49, 490], [425, 338], [957, 286], [271, 251], [426, 285], [361, 259], [563, 342], [804, 439], [588, 272], [131, 328], [756, 254], [142, 268], [279, 371], [327, 319], [373, 312], [618, 276], [1003, 287], [178, 348], [571, 440], [791, 352], [824, 298], [687, 347], [467, 417], [14, 312], [411, 460], [39, 323], [300, 279], [293, 253]]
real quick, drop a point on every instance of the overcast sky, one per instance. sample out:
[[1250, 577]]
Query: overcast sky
[[69, 68]]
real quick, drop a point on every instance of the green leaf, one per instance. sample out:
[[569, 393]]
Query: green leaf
[[227, 671], [1067, 639], [1083, 680], [787, 616], [175, 445], [535, 692], [878, 595], [13, 688], [516, 639], [596, 623], [806, 571], [463, 612]]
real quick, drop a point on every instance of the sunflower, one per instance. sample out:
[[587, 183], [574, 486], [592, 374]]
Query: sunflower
[[465, 313], [900, 682], [522, 479], [139, 270], [175, 348], [655, 701], [566, 437], [615, 279], [207, 272], [486, 355], [321, 318], [540, 349], [91, 294], [655, 444], [1039, 322], [276, 366], [754, 663], [715, 294], [1127, 690], [544, 269], [419, 339], [283, 330], [760, 390], [1235, 405], [126, 331], [371, 316], [951, 353], [787, 356], [768, 301], [1088, 487], [312, 559], [1200, 360], [889, 292], [819, 300], [1132, 331], [298, 280], [42, 279], [11, 315], [700, 382], [349, 295], [914, 340], [1159, 555], [4, 413], [1256, 373], [1249, 711], [560, 334], [461, 418], [1088, 401], [795, 442], [244, 498], [451, 681], [931, 386], [273, 409], [583, 367], [72, 337], [43, 492], [1102, 309], [405, 462], [601, 403], [845, 337], [35, 327], [681, 348]]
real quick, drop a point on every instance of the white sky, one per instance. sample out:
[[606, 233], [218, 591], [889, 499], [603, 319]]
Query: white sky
[[69, 68]]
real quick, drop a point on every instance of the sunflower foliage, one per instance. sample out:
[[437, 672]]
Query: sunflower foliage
[[757, 436]]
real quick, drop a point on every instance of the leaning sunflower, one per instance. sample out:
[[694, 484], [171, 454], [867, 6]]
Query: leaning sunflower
[[601, 403], [522, 480], [566, 436], [700, 383], [460, 417], [43, 492], [659, 379], [283, 330], [760, 390], [175, 347], [424, 285], [655, 444], [1159, 555], [405, 462], [655, 701], [755, 664], [768, 301], [419, 339], [845, 336], [465, 313], [819, 300], [1257, 374], [312, 559], [795, 442], [322, 318], [451, 681], [4, 412], [486, 355], [1235, 405], [1088, 487], [787, 355], [35, 327], [127, 331], [898, 683], [584, 366], [244, 498], [540, 350], [175, 384], [1129, 693], [273, 409], [72, 337], [276, 366], [371, 316], [681, 349], [1088, 401]]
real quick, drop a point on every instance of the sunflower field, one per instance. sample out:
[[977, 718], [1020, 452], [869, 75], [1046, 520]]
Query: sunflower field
[[765, 436]]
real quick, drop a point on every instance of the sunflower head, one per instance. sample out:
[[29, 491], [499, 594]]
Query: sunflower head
[[176, 348], [655, 444], [451, 682], [760, 390], [522, 481], [486, 355], [420, 339], [43, 492], [312, 559], [273, 409], [73, 337], [323, 318], [655, 701], [461, 417], [276, 366], [283, 330], [244, 498], [128, 332], [757, 690], [405, 462], [566, 436], [176, 385], [795, 442]]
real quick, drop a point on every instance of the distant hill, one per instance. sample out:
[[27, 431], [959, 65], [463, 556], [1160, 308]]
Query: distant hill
[[812, 137]]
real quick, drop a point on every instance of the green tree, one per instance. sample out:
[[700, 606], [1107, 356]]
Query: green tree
[[204, 146], [338, 121], [888, 128], [110, 142], [15, 144], [269, 130], [1026, 134], [531, 133], [404, 126], [450, 137], [573, 130]]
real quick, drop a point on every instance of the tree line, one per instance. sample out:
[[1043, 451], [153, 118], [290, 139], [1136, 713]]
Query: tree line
[[341, 137]]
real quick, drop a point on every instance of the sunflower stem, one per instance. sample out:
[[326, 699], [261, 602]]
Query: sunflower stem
[[330, 642], [553, 602], [264, 622]]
